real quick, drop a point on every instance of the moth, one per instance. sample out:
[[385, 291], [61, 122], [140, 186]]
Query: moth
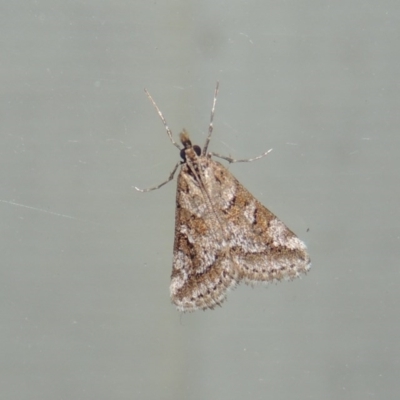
[[223, 234]]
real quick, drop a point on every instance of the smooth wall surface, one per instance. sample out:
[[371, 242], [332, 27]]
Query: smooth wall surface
[[86, 260]]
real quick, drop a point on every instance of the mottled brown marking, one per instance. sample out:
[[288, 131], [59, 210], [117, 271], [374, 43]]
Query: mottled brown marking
[[225, 248]]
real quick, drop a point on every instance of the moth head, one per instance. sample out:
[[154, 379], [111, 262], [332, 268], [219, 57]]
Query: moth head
[[187, 144]]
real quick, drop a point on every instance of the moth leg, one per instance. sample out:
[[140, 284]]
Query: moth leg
[[232, 160], [171, 176]]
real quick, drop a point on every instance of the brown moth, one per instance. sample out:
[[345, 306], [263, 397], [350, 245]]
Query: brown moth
[[223, 234]]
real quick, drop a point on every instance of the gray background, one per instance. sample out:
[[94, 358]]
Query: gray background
[[85, 310]]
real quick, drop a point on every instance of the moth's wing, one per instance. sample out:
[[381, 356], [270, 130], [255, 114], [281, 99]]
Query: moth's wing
[[202, 269], [224, 235], [262, 247]]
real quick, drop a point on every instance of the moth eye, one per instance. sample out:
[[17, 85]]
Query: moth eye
[[183, 155], [197, 149]]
